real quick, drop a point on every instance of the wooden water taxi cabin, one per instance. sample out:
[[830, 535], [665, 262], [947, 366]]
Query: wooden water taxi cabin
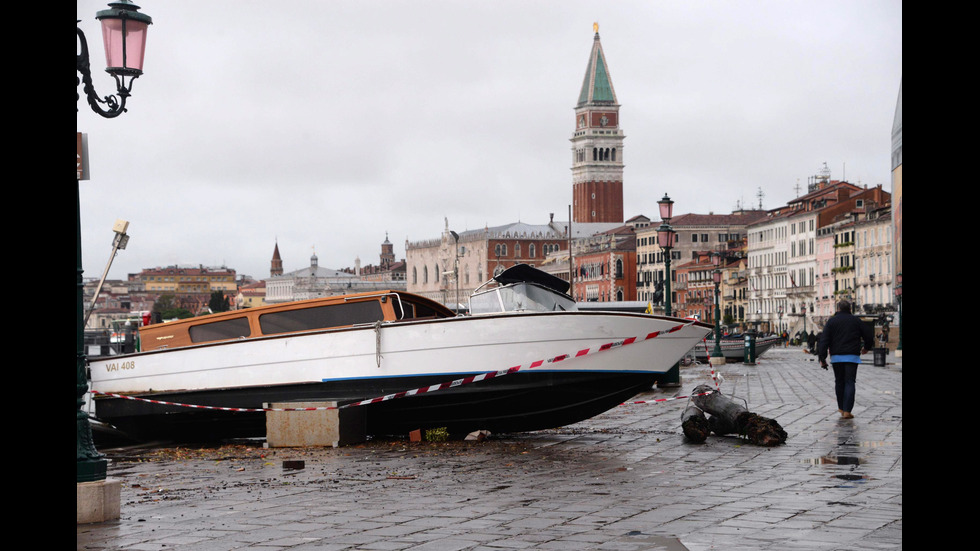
[[292, 317]]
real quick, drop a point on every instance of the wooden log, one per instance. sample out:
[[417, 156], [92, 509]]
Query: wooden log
[[730, 416], [695, 424]]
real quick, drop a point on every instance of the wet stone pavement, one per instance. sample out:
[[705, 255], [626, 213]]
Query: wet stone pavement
[[625, 480]]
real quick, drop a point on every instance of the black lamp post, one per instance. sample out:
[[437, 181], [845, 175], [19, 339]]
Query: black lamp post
[[717, 358], [779, 312], [666, 239], [124, 36], [456, 269], [898, 295]]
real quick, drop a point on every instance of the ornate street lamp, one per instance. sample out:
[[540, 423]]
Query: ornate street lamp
[[666, 209], [124, 37], [717, 358]]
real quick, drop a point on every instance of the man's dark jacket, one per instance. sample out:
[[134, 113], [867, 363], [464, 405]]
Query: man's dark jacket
[[843, 334]]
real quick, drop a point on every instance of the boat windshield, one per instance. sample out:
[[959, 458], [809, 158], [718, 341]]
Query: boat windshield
[[520, 297]]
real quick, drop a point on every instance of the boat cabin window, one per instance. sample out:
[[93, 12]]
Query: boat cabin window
[[321, 317], [411, 310], [520, 297], [219, 330]]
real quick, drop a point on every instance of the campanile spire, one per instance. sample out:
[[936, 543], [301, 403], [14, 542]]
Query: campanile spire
[[597, 145]]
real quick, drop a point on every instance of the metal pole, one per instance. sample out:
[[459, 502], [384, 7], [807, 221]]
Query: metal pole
[[98, 290], [899, 296], [571, 274], [672, 378], [716, 353], [90, 464], [667, 309]]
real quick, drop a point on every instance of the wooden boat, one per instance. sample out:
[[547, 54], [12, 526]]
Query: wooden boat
[[733, 348], [563, 365]]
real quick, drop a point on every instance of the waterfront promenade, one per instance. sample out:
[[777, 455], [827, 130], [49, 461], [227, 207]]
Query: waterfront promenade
[[625, 480]]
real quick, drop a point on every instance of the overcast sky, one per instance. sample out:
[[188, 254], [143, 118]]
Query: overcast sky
[[323, 125]]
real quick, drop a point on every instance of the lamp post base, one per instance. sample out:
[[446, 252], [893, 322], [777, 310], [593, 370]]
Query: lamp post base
[[97, 501], [672, 378]]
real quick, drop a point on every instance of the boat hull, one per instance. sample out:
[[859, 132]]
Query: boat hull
[[517, 403], [367, 362]]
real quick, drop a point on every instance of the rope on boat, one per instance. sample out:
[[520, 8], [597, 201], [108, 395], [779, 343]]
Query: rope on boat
[[377, 342], [432, 388]]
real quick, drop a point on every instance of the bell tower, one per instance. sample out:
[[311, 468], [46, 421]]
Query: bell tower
[[275, 268], [387, 254], [597, 145]]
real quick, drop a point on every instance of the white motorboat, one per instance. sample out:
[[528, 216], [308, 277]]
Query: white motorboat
[[552, 365]]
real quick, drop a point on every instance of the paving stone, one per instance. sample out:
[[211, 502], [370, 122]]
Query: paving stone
[[624, 480]]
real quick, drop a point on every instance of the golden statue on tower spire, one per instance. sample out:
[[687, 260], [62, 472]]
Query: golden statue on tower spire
[[595, 27]]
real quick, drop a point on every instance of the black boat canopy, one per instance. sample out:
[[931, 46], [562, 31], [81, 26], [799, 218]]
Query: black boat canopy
[[525, 273]]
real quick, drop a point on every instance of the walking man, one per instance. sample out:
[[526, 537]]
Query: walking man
[[845, 337]]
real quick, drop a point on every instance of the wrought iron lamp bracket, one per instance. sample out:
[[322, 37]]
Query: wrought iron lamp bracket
[[115, 107]]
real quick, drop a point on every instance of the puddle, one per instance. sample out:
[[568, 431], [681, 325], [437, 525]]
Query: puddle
[[652, 541], [851, 480]]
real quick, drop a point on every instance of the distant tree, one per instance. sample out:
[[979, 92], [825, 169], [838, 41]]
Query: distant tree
[[166, 306], [219, 302]]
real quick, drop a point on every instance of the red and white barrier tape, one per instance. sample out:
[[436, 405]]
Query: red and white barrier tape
[[194, 406], [667, 399], [432, 388], [713, 378]]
